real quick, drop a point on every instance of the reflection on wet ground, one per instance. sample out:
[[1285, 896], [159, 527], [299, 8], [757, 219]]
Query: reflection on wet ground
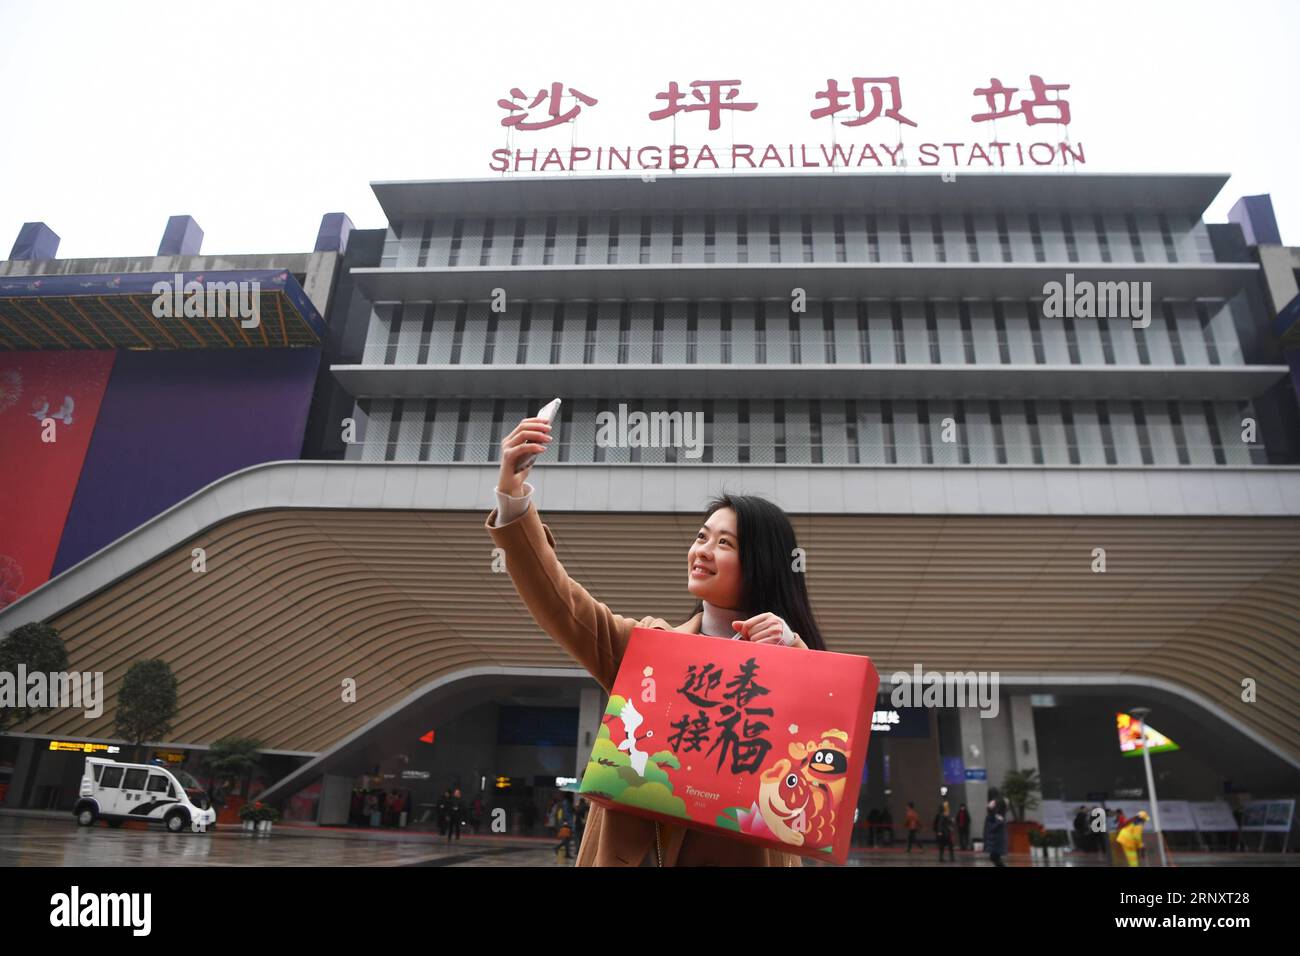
[[44, 840]]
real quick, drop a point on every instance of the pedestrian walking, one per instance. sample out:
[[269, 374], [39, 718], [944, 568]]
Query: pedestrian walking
[[963, 827], [1130, 838], [943, 831], [580, 818], [455, 816], [912, 823], [564, 824], [444, 810], [1082, 835], [995, 827]]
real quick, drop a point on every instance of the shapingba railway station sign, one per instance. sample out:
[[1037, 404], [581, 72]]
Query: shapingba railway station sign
[[858, 104]]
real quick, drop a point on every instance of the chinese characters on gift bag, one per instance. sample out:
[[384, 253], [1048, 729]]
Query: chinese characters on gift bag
[[715, 715]]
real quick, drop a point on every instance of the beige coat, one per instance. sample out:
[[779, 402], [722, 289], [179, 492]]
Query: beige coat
[[596, 638]]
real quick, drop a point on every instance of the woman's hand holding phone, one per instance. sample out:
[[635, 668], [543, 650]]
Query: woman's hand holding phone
[[529, 439]]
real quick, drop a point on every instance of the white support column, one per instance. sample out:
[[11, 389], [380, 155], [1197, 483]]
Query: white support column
[[591, 705], [974, 756], [1022, 733]]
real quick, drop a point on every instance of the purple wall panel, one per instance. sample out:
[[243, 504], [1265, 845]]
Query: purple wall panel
[[173, 422]]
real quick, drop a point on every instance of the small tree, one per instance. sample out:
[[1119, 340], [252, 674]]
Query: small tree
[[1020, 787], [234, 757], [146, 703], [38, 647]]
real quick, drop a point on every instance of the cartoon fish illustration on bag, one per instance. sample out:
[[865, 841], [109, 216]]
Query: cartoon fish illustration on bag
[[798, 795]]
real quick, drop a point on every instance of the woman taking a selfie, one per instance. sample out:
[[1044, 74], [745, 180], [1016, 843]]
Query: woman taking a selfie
[[740, 558]]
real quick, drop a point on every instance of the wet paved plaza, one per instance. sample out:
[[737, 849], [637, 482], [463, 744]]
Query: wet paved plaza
[[38, 839]]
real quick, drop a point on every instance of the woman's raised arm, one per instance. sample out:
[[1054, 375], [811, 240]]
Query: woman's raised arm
[[592, 634]]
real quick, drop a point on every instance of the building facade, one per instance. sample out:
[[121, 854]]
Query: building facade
[[122, 394], [986, 474]]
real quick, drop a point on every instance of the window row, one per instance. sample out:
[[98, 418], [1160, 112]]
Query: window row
[[820, 431], [122, 778], [755, 237], [831, 332]]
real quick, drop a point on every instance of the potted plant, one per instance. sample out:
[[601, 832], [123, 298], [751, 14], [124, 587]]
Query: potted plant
[[1020, 789], [233, 761], [1039, 841], [258, 816]]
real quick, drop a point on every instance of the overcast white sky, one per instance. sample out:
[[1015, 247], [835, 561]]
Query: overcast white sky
[[256, 117]]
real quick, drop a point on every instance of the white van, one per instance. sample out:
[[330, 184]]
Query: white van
[[118, 792]]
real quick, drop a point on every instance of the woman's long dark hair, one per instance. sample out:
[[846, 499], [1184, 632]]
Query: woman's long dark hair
[[768, 582]]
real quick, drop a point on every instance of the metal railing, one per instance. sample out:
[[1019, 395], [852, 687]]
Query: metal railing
[[611, 348], [729, 451]]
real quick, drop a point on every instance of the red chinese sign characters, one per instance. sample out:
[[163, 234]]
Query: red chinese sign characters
[[857, 103], [554, 98], [1027, 105], [714, 102], [716, 96], [834, 98]]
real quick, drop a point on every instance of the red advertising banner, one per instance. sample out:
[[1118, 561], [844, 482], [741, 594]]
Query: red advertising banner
[[757, 742], [42, 395], [1132, 737]]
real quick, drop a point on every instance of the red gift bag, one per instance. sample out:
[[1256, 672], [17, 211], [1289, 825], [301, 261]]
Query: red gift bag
[[757, 742]]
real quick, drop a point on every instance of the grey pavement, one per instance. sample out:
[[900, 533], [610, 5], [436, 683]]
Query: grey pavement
[[46, 838]]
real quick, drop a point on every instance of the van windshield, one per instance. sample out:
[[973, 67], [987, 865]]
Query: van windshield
[[186, 780]]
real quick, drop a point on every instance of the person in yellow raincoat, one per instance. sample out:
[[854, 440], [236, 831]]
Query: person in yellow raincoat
[[1130, 837]]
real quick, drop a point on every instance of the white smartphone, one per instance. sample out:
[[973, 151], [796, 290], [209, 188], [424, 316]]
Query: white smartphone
[[548, 412]]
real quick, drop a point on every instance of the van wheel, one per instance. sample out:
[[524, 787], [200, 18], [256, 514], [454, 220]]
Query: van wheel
[[176, 822], [87, 816]]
